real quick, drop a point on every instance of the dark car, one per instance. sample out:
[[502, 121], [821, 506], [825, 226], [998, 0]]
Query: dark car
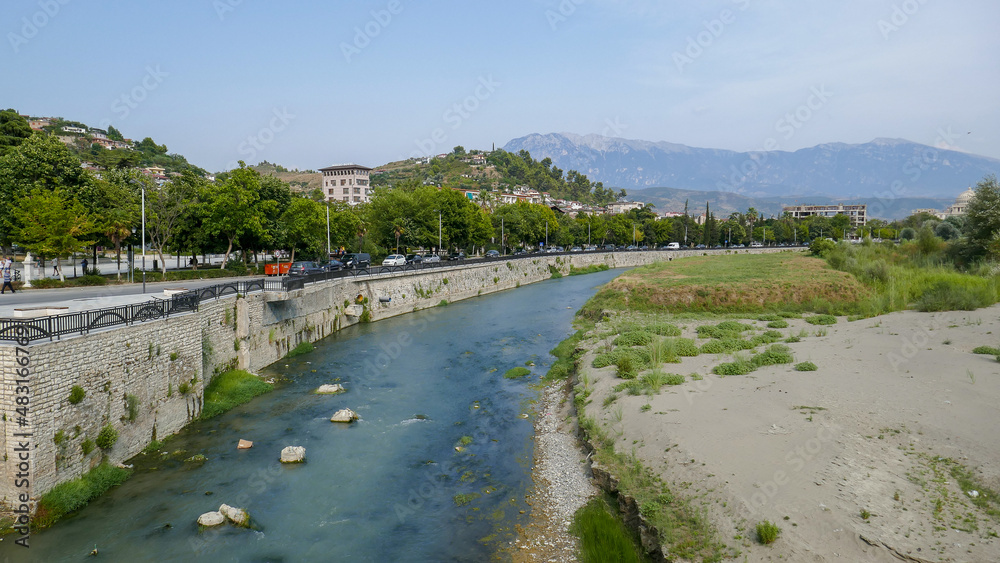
[[332, 266], [357, 260], [493, 254], [305, 268], [608, 247], [459, 255], [414, 259], [520, 252]]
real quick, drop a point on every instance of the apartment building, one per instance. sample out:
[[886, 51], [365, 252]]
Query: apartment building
[[348, 183], [858, 213]]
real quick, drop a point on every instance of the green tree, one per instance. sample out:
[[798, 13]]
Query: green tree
[[115, 134], [305, 226], [983, 219], [165, 208], [53, 223], [232, 209], [14, 129], [120, 207]]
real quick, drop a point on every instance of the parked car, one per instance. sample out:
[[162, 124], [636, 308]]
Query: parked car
[[609, 247], [333, 265], [431, 258], [520, 252], [414, 259], [357, 260], [756, 244], [576, 249], [493, 254], [457, 255], [394, 260], [304, 268]]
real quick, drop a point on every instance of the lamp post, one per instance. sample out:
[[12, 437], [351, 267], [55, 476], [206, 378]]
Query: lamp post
[[588, 231], [328, 229], [439, 231], [502, 245], [144, 239]]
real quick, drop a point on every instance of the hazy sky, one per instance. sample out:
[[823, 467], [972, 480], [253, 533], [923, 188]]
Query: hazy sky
[[312, 83]]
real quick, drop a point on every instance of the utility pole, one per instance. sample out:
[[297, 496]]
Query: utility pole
[[502, 245], [439, 231], [327, 231], [144, 239], [546, 235]]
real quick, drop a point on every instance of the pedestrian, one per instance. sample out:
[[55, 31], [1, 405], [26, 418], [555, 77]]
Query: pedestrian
[[55, 266], [7, 275], [84, 266]]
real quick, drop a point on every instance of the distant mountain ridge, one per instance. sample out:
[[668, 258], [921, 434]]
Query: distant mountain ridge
[[882, 168]]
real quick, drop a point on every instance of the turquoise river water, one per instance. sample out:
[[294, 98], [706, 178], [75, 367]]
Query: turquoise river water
[[395, 486]]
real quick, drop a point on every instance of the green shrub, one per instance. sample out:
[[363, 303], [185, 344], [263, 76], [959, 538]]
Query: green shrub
[[988, 350], [663, 329], [767, 532], [947, 296], [805, 366], [767, 337], [73, 495], [132, 403], [793, 339], [771, 317], [821, 247], [230, 389], [107, 437], [633, 338], [780, 323], [640, 358], [632, 387], [603, 537], [734, 326], [777, 354], [87, 446], [714, 347], [685, 347], [737, 367], [304, 347], [821, 320], [517, 372], [625, 367], [76, 394]]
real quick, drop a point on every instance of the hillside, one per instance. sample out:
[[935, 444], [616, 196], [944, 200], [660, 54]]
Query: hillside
[[299, 180], [835, 170]]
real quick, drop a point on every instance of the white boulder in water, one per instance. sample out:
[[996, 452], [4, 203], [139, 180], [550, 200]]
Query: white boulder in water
[[235, 515], [331, 389], [213, 518], [344, 415], [293, 454]]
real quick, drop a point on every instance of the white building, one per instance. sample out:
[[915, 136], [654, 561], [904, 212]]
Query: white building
[[347, 182]]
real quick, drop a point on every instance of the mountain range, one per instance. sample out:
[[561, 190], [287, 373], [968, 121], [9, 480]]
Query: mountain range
[[900, 174]]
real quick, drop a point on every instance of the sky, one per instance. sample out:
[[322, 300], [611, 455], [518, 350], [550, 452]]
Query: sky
[[308, 83]]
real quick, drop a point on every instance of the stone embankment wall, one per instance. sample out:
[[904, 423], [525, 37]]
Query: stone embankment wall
[[148, 380]]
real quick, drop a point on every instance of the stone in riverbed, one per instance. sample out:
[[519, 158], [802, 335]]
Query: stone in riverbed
[[244, 444], [330, 389], [293, 454], [344, 415], [235, 515], [213, 518]]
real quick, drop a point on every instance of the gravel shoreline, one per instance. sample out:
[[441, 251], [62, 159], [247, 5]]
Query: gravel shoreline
[[563, 483]]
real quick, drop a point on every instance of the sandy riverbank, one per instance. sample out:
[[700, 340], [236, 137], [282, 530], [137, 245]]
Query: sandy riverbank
[[898, 402]]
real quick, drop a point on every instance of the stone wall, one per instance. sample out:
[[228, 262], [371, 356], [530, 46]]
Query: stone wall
[[147, 380]]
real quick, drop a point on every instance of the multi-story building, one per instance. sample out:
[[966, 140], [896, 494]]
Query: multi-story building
[[620, 207], [347, 183], [858, 213]]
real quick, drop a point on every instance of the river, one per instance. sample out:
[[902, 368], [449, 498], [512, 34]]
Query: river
[[437, 469]]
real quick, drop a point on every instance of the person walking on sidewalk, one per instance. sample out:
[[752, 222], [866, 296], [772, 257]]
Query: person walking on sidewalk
[[55, 266], [8, 275]]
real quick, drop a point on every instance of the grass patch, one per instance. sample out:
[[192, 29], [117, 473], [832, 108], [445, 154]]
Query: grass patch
[[71, 496], [517, 373], [77, 394], [633, 338], [463, 499], [779, 323], [603, 536], [767, 532], [777, 354], [230, 389], [821, 320], [988, 350], [304, 347], [591, 269], [566, 355], [805, 366], [639, 358]]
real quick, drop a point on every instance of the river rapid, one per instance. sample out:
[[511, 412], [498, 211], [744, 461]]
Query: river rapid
[[437, 469]]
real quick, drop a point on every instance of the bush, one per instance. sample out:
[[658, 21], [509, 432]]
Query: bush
[[639, 358], [738, 367], [780, 323], [236, 267], [304, 347], [767, 532], [685, 347], [625, 367], [602, 536], [806, 366], [76, 394], [87, 446], [663, 329], [821, 320], [633, 338], [73, 495], [230, 389], [777, 354], [821, 247], [946, 296], [107, 437], [988, 350], [517, 373]]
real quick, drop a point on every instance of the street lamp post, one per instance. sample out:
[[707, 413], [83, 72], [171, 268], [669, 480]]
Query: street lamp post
[[327, 230], [502, 245], [439, 231], [144, 239]]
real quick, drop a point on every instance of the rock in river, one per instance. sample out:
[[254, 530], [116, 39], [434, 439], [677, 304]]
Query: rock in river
[[330, 389], [344, 415], [211, 519], [293, 454], [235, 515]]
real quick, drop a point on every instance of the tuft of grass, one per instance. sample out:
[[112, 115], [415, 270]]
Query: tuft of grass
[[988, 350], [517, 372], [767, 532], [821, 320], [603, 536], [230, 389], [776, 354], [304, 347], [591, 269], [805, 366], [634, 338], [66, 498], [739, 366], [107, 437], [77, 394], [780, 323]]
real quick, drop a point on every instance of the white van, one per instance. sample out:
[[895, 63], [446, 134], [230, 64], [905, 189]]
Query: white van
[[674, 246]]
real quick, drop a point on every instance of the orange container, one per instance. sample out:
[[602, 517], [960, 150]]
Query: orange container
[[277, 269]]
